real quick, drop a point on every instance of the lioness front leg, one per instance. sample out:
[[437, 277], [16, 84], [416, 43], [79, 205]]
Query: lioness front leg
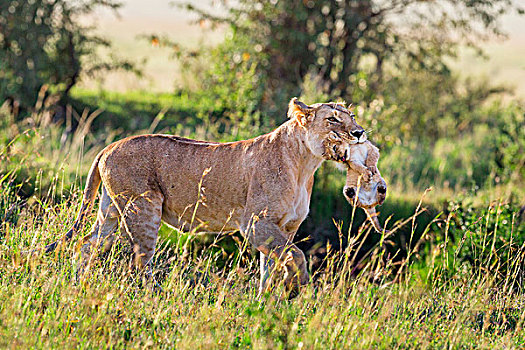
[[268, 238], [267, 266]]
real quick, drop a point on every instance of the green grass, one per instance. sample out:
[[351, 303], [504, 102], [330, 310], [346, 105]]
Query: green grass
[[137, 110], [450, 277], [415, 305]]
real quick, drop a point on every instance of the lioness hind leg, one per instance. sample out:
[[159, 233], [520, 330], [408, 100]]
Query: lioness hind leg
[[141, 218], [102, 235]]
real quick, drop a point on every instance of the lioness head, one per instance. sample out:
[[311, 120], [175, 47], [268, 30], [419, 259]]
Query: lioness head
[[330, 128]]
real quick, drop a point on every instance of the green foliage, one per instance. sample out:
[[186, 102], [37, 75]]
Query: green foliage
[[425, 107], [229, 81], [191, 114], [486, 239], [452, 163], [234, 86], [136, 111], [44, 48], [342, 44], [43, 304], [458, 144]]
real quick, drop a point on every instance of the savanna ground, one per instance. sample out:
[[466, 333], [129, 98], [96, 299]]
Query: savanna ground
[[449, 273]]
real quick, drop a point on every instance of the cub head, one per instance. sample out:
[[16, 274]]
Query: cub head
[[330, 128], [364, 194]]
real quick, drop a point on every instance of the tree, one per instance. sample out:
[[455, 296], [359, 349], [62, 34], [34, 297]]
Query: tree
[[44, 48], [351, 47]]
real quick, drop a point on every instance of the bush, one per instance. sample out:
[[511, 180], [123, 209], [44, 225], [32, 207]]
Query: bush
[[485, 147], [485, 241], [44, 48], [233, 86]]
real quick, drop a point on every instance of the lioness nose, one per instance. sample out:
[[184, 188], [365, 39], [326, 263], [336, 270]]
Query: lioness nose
[[357, 133]]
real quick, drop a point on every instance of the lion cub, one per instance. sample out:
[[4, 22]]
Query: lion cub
[[363, 158], [364, 186]]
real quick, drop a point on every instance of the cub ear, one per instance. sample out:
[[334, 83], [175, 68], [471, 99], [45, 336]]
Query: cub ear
[[299, 110]]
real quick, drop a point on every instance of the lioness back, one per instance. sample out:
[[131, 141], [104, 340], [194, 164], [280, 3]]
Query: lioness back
[[174, 166]]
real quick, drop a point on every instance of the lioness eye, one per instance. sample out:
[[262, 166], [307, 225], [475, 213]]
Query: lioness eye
[[333, 120]]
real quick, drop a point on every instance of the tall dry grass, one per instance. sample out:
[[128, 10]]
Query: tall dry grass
[[368, 303], [430, 299]]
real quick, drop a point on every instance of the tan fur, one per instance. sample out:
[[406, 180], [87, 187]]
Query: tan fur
[[365, 194], [364, 185], [260, 186], [363, 159]]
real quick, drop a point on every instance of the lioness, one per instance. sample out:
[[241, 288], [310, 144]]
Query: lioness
[[260, 186]]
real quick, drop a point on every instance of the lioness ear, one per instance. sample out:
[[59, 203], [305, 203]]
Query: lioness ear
[[299, 111]]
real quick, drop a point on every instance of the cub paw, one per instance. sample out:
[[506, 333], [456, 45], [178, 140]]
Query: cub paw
[[367, 176]]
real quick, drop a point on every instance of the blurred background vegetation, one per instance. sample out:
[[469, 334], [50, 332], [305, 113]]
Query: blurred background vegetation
[[400, 63]]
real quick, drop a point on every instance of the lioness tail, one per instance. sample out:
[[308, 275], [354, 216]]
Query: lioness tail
[[90, 192]]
